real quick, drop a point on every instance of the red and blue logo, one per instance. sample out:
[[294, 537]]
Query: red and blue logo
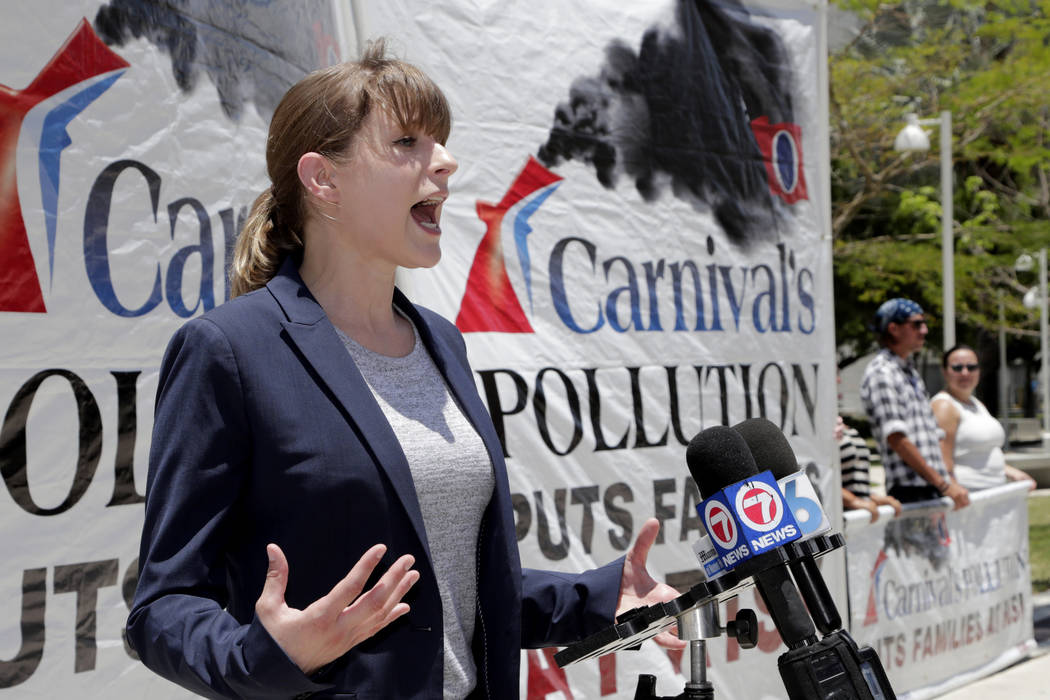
[[871, 612], [79, 72], [781, 146], [490, 302]]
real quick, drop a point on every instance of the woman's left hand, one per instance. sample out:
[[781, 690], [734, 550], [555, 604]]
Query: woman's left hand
[[1015, 474], [638, 588]]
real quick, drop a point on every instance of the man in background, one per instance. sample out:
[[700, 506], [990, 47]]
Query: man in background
[[896, 402]]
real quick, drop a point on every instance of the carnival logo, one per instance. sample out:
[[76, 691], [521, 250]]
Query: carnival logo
[[871, 613], [79, 72], [490, 303], [593, 284]]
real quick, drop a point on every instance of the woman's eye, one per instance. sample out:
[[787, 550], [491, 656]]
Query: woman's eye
[[406, 141]]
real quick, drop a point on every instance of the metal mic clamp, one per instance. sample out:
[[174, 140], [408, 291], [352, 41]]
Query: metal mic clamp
[[744, 629], [695, 626]]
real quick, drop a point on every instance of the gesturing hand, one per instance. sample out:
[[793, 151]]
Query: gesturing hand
[[331, 625], [638, 588]]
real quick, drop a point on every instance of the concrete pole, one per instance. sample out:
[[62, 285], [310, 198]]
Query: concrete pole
[[947, 233], [1004, 372], [1044, 344]]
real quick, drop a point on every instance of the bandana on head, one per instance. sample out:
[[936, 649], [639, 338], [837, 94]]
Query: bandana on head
[[895, 311]]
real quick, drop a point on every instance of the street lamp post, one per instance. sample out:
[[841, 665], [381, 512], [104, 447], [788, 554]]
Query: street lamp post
[[1044, 374], [1004, 371], [913, 138], [1024, 264]]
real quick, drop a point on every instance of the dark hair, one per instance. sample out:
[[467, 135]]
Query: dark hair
[[322, 113], [949, 351]]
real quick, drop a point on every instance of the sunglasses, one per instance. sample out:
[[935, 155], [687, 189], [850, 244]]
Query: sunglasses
[[960, 368], [919, 323]]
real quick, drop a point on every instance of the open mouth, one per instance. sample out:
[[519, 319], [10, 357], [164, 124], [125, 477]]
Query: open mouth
[[425, 214]]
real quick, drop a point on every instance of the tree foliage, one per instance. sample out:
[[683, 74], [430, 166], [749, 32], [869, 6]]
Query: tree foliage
[[989, 64]]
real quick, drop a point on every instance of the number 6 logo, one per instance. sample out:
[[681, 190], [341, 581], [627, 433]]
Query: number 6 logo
[[801, 500]]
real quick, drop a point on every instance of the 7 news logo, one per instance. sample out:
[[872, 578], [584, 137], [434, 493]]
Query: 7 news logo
[[760, 506], [719, 523], [752, 517]]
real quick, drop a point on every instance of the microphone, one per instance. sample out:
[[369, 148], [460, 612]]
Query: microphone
[[772, 450], [717, 457], [715, 447], [859, 672], [746, 518], [720, 462], [739, 502]]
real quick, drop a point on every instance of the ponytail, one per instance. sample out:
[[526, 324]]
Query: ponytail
[[261, 246]]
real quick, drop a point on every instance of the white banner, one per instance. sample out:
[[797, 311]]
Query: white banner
[[943, 596], [132, 138], [636, 248]]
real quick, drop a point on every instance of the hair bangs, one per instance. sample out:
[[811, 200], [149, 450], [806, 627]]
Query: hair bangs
[[414, 101]]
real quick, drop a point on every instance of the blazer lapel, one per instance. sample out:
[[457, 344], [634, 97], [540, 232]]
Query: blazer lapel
[[314, 337]]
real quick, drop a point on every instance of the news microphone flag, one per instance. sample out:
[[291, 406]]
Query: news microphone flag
[[802, 502], [748, 518]]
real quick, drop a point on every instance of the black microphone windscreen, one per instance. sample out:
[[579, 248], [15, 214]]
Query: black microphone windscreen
[[768, 446], [718, 457]]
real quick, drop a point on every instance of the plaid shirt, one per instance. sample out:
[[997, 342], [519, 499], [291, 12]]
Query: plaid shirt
[[895, 400]]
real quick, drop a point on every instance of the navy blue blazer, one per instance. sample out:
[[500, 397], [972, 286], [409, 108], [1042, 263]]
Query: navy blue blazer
[[265, 431]]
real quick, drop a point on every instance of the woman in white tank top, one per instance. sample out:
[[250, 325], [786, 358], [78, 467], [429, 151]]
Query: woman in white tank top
[[973, 438]]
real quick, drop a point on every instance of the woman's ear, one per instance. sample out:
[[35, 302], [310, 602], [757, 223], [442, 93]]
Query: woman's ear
[[315, 172]]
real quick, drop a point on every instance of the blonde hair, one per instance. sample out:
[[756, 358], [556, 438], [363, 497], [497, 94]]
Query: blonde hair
[[322, 113]]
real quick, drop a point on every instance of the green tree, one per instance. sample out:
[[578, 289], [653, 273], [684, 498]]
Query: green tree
[[987, 62]]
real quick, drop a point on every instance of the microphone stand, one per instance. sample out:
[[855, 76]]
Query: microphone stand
[[696, 626], [832, 668]]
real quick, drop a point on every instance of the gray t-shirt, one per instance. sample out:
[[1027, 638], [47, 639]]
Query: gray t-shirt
[[454, 483]]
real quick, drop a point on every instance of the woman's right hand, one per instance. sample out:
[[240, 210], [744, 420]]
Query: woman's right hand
[[887, 500], [331, 625]]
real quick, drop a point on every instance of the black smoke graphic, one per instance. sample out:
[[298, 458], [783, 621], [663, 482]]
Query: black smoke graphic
[[677, 114], [252, 51]]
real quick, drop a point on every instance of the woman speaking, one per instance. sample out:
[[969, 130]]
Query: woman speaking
[[327, 507]]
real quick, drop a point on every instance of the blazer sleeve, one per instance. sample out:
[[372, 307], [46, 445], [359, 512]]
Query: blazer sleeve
[[199, 458], [559, 608]]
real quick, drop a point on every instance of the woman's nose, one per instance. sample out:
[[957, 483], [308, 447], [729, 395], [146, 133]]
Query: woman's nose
[[442, 161]]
